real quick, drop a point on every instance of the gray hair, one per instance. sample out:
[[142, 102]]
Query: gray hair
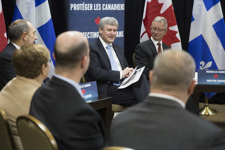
[[161, 19], [173, 71], [17, 28], [108, 21]]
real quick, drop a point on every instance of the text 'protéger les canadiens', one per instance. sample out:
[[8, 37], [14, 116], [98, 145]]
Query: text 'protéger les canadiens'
[[87, 6]]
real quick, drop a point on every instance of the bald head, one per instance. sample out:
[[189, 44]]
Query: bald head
[[17, 28], [173, 71], [70, 48], [21, 32]]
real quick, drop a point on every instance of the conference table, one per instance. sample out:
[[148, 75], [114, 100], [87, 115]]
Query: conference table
[[200, 88], [103, 105]]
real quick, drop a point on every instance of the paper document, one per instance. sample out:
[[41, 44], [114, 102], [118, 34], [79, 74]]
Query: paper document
[[134, 77]]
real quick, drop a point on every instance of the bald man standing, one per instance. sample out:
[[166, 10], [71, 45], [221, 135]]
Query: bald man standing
[[59, 104]]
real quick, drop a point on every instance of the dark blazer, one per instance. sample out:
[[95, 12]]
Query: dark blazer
[[145, 54], [7, 69], [162, 124], [73, 122], [100, 68]]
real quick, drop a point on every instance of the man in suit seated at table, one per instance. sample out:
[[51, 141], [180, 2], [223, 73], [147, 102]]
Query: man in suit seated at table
[[31, 64], [108, 67], [161, 122], [20, 32], [146, 51], [59, 103]]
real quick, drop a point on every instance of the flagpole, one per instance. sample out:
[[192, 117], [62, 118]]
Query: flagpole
[[206, 111]]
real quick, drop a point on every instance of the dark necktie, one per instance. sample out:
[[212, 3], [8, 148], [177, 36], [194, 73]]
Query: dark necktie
[[159, 47]]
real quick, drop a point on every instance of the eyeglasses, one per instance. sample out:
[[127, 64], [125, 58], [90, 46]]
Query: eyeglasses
[[158, 29]]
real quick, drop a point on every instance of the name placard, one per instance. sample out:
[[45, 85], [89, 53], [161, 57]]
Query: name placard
[[211, 76], [89, 89]]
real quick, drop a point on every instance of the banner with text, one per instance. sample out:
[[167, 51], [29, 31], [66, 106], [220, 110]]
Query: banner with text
[[84, 16]]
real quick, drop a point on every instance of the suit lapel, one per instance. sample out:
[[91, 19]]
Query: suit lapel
[[103, 52], [119, 56], [152, 47]]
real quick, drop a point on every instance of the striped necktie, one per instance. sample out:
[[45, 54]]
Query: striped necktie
[[159, 48]]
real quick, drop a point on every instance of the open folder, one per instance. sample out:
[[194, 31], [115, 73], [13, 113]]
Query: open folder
[[134, 77]]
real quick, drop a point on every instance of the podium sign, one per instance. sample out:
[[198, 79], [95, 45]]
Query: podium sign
[[211, 76], [89, 89]]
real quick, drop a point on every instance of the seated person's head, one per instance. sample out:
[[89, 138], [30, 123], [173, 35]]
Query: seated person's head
[[71, 51], [173, 72], [21, 32], [31, 61], [108, 29]]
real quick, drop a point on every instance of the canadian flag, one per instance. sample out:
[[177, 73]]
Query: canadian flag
[[162, 8], [3, 39]]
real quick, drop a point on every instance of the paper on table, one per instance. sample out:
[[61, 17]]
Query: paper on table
[[134, 77]]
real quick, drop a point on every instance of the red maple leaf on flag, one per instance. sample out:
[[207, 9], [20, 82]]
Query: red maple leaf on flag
[[97, 20], [152, 10]]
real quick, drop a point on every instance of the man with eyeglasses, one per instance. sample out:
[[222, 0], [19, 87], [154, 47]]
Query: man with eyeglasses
[[146, 52]]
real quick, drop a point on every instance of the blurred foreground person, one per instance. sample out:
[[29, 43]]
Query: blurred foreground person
[[31, 64], [161, 122], [59, 103]]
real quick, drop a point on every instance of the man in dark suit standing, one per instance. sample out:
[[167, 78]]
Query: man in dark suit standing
[[146, 52], [161, 122], [108, 67], [20, 32], [59, 104]]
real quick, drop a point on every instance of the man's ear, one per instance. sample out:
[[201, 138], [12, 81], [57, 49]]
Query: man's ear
[[45, 69], [24, 36], [150, 75], [191, 87], [100, 30], [84, 61], [53, 55]]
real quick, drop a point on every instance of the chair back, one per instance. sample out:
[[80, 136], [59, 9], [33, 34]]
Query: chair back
[[118, 108], [116, 148], [6, 138], [34, 134]]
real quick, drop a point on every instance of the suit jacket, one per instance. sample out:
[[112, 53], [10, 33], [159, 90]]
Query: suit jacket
[[162, 124], [73, 122], [7, 70], [100, 68], [15, 100], [145, 54]]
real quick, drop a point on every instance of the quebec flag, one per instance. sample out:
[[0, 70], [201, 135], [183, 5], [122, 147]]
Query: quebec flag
[[38, 13], [207, 35]]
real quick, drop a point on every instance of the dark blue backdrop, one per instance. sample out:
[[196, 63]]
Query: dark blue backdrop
[[84, 16]]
